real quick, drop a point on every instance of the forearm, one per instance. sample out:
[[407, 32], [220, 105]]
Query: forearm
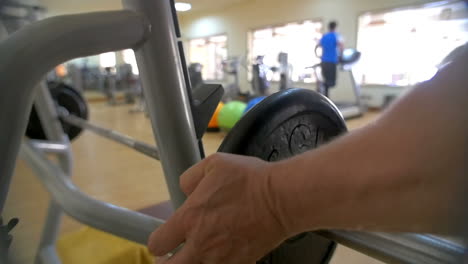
[[406, 172]]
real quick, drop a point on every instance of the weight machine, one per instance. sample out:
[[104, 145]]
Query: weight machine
[[150, 27]]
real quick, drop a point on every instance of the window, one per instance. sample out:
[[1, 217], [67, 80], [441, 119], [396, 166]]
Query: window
[[404, 47], [107, 60], [298, 40], [209, 52], [129, 58]]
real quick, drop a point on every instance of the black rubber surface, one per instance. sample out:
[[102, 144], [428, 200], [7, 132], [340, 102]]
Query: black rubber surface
[[64, 96], [283, 125]]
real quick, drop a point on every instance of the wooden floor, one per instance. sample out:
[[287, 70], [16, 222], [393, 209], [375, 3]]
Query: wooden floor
[[112, 173]]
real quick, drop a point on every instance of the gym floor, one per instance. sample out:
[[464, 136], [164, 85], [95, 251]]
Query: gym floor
[[112, 173]]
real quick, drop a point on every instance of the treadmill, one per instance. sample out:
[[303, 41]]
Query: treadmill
[[353, 108]]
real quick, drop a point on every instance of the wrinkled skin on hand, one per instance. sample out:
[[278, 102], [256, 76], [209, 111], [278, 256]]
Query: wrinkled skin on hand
[[229, 216]]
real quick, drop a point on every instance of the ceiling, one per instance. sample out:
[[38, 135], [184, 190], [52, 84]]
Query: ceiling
[[56, 7]]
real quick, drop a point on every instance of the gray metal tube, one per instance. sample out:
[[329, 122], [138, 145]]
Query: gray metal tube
[[165, 93], [119, 221], [47, 112], [27, 55], [49, 146], [139, 146], [48, 255], [50, 231], [401, 248]]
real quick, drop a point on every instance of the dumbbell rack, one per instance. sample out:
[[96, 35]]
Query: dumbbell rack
[[148, 27]]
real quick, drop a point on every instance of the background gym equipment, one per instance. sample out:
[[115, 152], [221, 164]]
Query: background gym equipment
[[285, 124], [213, 125], [285, 70], [178, 135], [348, 58], [230, 114], [119, 84], [253, 102], [195, 73], [231, 67], [261, 84]]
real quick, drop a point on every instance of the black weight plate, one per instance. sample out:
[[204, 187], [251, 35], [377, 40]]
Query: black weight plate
[[66, 97], [73, 101], [283, 125]]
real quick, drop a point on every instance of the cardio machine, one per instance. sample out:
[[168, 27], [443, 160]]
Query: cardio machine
[[260, 82], [231, 67], [150, 27], [348, 59]]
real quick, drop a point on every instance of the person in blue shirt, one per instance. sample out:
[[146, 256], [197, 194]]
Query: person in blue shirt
[[332, 46]]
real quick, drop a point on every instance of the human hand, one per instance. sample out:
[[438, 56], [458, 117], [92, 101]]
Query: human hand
[[229, 216]]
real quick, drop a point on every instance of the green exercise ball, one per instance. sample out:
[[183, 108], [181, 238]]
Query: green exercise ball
[[230, 114]]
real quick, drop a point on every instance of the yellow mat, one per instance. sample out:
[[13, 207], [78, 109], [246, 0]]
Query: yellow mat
[[91, 246]]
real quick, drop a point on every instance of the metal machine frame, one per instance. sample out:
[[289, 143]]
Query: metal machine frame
[[150, 28]]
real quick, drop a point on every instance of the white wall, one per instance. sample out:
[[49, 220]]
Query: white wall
[[237, 20]]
